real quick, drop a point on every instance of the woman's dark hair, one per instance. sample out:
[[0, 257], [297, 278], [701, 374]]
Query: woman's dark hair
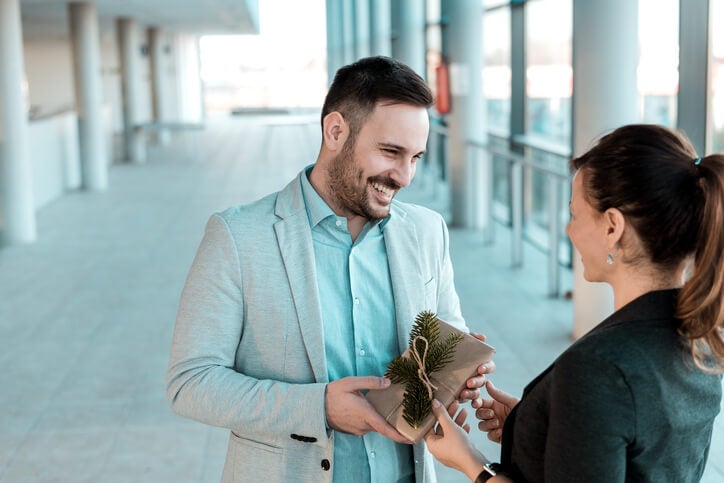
[[358, 87], [674, 200]]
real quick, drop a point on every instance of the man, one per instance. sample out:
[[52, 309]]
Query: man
[[296, 303]]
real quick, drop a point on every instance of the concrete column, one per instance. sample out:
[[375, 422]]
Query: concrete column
[[17, 207], [335, 39], [380, 28], [694, 72], [159, 95], [517, 125], [89, 95], [129, 45], [348, 54], [362, 28], [517, 71], [470, 172], [189, 95], [604, 97], [408, 25]]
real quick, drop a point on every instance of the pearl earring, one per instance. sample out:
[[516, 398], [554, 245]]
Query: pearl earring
[[609, 259]]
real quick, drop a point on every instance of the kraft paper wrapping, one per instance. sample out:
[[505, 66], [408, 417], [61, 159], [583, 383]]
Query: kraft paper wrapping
[[450, 380]]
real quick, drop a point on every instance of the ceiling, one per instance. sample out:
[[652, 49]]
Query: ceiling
[[50, 17]]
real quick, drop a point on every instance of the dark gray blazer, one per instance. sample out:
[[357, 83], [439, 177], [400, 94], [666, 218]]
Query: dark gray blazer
[[624, 403]]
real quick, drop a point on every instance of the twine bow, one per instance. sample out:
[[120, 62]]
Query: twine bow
[[421, 364]]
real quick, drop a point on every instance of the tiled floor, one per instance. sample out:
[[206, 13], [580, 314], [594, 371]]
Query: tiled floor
[[87, 312]]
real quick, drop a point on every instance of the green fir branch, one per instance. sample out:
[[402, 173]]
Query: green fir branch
[[442, 353], [402, 370], [425, 325], [416, 403]]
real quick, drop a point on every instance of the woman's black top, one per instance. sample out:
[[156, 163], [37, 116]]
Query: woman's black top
[[623, 403]]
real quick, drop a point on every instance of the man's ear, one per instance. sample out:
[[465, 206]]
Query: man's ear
[[335, 131], [615, 225]]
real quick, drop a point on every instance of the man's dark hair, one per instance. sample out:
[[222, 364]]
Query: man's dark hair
[[358, 88]]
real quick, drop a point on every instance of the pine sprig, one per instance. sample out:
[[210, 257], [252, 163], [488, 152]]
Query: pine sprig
[[442, 353], [401, 370], [415, 403], [425, 325], [416, 400]]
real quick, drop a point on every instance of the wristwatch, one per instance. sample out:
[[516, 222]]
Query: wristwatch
[[489, 470]]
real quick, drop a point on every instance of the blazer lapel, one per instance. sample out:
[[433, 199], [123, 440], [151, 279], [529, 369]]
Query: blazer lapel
[[405, 272], [295, 244]]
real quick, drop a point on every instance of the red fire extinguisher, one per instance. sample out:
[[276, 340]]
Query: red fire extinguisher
[[442, 84]]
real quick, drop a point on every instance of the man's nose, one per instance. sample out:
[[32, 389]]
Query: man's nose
[[404, 173]]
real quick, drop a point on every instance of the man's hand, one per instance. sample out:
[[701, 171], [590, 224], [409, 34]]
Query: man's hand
[[349, 412], [493, 412], [473, 385]]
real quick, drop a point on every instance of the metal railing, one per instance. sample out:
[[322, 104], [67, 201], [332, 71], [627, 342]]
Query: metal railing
[[526, 163]]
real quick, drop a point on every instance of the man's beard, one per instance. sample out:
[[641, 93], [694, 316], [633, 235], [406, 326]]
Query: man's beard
[[348, 188]]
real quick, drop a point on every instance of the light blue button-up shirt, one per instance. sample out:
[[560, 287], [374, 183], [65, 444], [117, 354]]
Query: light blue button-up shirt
[[360, 332]]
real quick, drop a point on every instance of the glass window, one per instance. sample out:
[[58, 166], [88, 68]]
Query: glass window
[[496, 71], [258, 71], [716, 81], [549, 86], [433, 41], [549, 75], [496, 90], [434, 160], [658, 69]]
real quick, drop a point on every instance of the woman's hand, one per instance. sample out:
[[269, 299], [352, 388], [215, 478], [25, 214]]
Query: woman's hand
[[449, 443], [492, 412]]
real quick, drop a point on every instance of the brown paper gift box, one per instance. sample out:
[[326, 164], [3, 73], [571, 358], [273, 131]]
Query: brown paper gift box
[[450, 380]]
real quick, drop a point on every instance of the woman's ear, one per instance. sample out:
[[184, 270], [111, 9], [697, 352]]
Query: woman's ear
[[615, 225], [334, 131]]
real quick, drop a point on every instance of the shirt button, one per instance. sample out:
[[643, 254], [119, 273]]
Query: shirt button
[[325, 464], [356, 301], [362, 353], [338, 223], [372, 454]]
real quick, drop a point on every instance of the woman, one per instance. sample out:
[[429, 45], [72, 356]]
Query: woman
[[636, 397]]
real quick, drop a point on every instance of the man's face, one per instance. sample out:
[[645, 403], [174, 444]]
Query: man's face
[[372, 168]]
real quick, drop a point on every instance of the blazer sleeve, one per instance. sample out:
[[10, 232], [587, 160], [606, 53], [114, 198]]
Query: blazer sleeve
[[592, 420], [202, 383], [448, 302]]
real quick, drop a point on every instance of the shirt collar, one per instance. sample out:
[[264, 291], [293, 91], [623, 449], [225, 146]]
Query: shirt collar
[[318, 209]]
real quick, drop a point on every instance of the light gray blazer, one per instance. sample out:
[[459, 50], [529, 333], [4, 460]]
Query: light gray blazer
[[248, 347]]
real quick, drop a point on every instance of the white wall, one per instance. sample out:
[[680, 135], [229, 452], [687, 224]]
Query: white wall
[[49, 72], [54, 156]]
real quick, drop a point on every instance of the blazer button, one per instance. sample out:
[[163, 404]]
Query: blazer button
[[325, 464]]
